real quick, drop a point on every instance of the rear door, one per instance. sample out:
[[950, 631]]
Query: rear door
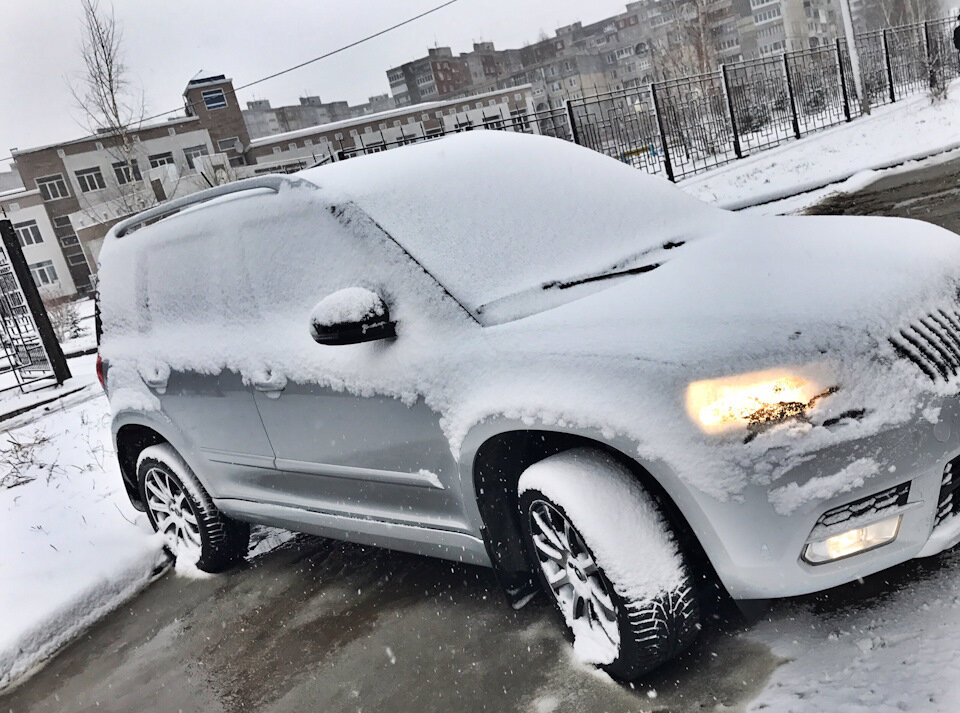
[[193, 294]]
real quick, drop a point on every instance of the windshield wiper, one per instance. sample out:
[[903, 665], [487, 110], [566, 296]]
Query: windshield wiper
[[565, 284]]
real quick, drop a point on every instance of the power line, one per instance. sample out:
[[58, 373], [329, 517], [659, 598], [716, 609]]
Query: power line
[[353, 44]]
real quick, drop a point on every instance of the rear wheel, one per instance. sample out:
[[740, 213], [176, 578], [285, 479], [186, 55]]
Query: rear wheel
[[607, 559], [181, 510]]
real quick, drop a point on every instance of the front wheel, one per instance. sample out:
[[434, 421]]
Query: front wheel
[[181, 510], [608, 560]]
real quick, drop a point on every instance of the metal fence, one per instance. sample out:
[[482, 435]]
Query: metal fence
[[680, 127], [549, 122], [29, 351]]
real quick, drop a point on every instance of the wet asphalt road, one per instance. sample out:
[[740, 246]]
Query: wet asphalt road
[[317, 625]]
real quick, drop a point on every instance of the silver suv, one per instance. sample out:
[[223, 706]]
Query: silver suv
[[513, 352]]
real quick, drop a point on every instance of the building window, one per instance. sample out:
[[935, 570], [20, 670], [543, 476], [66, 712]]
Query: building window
[[43, 273], [228, 144], [193, 152], [28, 233], [69, 240], [52, 187], [77, 259], [127, 171], [160, 159], [90, 179], [214, 99]]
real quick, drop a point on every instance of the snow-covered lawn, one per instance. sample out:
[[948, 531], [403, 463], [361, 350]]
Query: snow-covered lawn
[[73, 547], [893, 134], [87, 338]]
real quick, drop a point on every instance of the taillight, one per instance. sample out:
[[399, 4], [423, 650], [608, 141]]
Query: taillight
[[103, 384]]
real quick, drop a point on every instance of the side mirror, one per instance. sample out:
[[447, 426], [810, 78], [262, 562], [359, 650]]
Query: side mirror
[[351, 316]]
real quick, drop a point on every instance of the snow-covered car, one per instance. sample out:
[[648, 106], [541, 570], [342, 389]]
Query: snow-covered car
[[510, 351]]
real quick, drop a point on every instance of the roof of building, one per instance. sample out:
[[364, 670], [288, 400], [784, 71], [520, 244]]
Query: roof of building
[[388, 114], [200, 79], [95, 137]]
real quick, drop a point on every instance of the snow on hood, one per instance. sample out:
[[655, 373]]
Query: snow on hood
[[516, 223], [759, 285]]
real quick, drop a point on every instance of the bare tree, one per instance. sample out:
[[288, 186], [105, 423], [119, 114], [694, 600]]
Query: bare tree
[[684, 46], [113, 109]]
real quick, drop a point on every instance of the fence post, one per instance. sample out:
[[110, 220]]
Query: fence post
[[793, 100], [932, 63], [667, 165], [574, 135], [843, 82], [31, 296], [733, 118], [886, 55]]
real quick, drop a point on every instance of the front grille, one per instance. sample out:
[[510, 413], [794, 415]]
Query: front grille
[[932, 343], [875, 504], [948, 503]]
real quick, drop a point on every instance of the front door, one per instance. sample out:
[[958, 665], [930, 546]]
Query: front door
[[364, 456]]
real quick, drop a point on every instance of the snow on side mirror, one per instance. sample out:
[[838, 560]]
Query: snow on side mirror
[[351, 316]]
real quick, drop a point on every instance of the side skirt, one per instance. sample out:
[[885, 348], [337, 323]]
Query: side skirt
[[445, 544]]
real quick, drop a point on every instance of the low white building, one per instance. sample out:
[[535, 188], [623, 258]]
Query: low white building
[[47, 263]]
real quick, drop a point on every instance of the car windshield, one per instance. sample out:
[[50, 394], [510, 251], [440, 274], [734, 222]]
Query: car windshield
[[536, 212]]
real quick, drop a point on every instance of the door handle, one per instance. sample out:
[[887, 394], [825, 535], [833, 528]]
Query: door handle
[[270, 384]]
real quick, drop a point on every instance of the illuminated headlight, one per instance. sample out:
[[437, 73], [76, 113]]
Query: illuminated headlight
[[853, 542], [758, 398]]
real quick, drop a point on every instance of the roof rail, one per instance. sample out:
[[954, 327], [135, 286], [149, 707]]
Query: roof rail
[[271, 182]]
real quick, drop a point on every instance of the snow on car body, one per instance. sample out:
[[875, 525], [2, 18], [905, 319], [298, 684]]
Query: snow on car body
[[775, 382]]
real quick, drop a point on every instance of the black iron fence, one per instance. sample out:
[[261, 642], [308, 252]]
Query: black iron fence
[[549, 122], [29, 351], [680, 127]]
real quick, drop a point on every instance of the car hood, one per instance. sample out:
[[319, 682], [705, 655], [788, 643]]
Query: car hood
[[760, 287]]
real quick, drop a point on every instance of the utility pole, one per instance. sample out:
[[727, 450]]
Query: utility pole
[[854, 56]]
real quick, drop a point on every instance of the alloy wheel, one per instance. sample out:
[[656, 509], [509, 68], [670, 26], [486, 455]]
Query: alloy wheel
[[171, 510], [572, 573]]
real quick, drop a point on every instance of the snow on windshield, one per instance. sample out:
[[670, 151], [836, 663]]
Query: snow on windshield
[[492, 213]]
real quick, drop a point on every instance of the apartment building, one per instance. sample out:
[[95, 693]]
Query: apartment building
[[439, 75], [651, 40]]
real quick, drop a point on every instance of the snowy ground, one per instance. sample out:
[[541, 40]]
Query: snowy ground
[[74, 548], [87, 339], [895, 133]]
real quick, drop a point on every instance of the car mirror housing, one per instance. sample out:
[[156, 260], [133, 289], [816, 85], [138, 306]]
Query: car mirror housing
[[351, 316]]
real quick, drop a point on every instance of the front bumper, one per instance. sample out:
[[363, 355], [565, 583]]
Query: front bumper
[[757, 551]]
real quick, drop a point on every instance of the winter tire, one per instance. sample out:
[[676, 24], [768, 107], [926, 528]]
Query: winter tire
[[180, 508], [606, 557]]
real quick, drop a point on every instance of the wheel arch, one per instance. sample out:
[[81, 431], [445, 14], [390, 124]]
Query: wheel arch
[[134, 431], [499, 457]]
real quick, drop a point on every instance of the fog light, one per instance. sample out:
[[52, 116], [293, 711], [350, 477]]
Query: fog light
[[853, 542]]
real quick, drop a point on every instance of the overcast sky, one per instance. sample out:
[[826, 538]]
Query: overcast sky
[[167, 42]]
